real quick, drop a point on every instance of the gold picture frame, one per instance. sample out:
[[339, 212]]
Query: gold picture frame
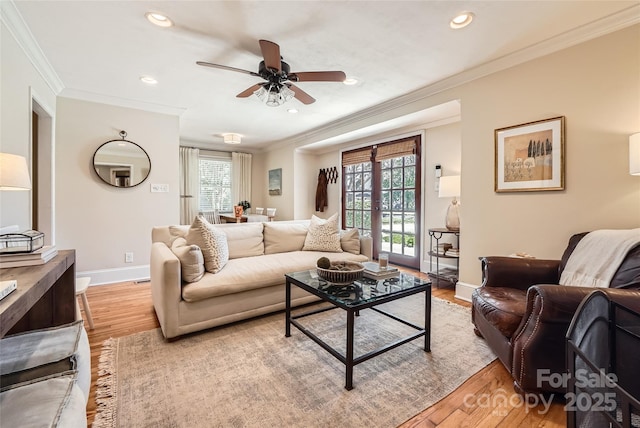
[[530, 157]]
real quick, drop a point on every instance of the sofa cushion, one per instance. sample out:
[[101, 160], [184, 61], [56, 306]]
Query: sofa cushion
[[503, 307], [281, 237], [244, 239], [191, 260], [350, 241], [211, 241], [249, 273], [53, 401], [323, 235]]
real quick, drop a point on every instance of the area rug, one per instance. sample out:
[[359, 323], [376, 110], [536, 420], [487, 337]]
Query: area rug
[[250, 375]]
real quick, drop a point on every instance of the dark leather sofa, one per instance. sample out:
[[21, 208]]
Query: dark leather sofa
[[524, 314]]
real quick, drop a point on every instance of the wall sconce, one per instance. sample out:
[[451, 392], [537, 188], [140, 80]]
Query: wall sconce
[[634, 154], [14, 172]]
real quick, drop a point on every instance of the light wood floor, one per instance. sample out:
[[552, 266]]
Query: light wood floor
[[126, 308]]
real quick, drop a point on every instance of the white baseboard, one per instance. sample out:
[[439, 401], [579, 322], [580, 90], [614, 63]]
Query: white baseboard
[[109, 276], [464, 290]]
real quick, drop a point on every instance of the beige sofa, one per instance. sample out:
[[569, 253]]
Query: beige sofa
[[251, 283]]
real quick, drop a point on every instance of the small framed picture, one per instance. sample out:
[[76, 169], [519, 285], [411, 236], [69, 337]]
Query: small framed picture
[[237, 211], [530, 157], [275, 182]]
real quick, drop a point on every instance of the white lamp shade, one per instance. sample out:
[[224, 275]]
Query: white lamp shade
[[14, 172], [449, 186], [634, 154]]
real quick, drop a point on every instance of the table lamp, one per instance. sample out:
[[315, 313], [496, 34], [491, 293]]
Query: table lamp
[[450, 187]]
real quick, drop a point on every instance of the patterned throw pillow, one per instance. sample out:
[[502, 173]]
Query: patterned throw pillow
[[323, 235], [212, 242], [191, 260]]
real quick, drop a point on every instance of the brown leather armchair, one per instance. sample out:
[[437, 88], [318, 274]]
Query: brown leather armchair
[[524, 314]]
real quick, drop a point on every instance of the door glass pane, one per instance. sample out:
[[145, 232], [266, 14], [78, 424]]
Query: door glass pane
[[366, 220], [366, 201], [367, 181], [397, 178], [348, 179], [349, 218], [410, 200], [386, 179], [385, 245], [385, 200], [410, 176], [349, 202], [396, 200]]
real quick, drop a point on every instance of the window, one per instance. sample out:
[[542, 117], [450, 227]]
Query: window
[[215, 182]]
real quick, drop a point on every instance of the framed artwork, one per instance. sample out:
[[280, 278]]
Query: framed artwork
[[275, 181], [238, 210], [530, 157]]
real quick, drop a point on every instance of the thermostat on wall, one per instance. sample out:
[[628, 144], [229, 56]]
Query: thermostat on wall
[[159, 188]]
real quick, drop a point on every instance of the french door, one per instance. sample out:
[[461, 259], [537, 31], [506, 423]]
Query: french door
[[381, 197]]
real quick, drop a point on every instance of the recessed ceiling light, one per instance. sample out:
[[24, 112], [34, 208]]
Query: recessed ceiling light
[[292, 110], [158, 19], [148, 80], [461, 20], [350, 81]]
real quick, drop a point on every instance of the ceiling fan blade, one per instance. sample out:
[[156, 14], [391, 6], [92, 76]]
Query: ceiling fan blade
[[301, 95], [248, 92], [271, 55], [226, 67], [318, 76]]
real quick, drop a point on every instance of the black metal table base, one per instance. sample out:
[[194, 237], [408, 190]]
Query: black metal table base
[[349, 360]]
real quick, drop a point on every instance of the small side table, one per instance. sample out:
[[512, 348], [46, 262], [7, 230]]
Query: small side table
[[81, 290]]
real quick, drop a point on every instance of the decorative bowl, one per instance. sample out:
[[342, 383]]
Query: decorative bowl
[[343, 273]]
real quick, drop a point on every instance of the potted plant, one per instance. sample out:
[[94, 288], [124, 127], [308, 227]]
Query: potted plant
[[245, 206]]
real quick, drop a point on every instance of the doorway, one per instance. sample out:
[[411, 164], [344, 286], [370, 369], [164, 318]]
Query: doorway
[[42, 168], [381, 190]]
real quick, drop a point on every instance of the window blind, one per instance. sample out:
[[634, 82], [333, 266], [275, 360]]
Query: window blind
[[395, 149]]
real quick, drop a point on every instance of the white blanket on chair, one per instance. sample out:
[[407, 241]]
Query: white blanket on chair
[[598, 256]]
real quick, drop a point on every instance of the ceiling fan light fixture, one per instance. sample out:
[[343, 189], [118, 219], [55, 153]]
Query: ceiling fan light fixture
[[461, 20], [274, 95], [158, 19], [231, 138]]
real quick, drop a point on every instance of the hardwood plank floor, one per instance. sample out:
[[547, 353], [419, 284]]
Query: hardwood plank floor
[[125, 308]]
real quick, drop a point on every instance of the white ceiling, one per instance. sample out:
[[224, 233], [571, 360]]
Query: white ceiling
[[99, 49]]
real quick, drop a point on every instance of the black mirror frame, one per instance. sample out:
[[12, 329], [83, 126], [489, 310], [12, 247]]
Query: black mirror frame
[[93, 163]]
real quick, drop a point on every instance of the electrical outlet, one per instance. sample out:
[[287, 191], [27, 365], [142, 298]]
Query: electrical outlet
[[128, 257]]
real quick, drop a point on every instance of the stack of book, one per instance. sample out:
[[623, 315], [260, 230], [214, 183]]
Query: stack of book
[[372, 270], [453, 252], [38, 257]]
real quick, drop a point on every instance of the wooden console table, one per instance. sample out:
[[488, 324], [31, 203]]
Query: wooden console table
[[45, 296]]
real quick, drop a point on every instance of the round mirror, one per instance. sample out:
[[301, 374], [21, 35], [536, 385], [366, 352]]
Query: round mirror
[[121, 163]]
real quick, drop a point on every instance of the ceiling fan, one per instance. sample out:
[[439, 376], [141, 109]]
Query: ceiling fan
[[278, 87]]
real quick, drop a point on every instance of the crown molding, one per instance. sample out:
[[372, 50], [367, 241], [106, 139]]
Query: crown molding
[[394, 107], [121, 102], [11, 18]]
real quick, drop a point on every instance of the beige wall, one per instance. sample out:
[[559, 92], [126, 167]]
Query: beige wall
[[596, 86], [19, 84], [283, 157], [103, 222]]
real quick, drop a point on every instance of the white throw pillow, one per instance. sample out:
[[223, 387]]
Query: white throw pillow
[[212, 242], [323, 235], [191, 260], [350, 241]]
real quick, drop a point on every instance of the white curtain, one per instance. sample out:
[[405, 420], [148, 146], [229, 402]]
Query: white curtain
[[189, 184], [241, 177]]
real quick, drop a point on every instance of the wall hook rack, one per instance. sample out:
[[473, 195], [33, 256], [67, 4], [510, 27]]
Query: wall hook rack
[[331, 173]]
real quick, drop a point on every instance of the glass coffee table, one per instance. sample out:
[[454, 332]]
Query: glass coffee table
[[362, 294]]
